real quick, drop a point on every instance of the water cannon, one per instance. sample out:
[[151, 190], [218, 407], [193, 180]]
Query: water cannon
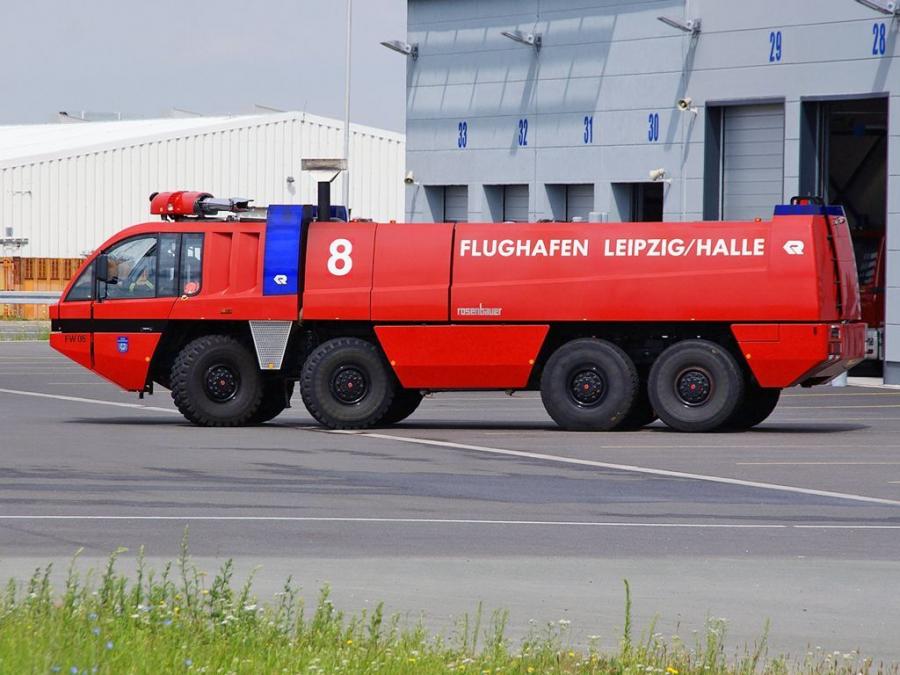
[[182, 203]]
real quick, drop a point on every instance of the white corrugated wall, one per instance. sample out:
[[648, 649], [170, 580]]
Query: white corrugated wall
[[66, 205]]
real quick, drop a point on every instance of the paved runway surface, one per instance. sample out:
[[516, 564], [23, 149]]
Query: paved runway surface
[[478, 498]]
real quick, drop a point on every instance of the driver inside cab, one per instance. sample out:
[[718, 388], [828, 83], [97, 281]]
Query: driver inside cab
[[143, 284]]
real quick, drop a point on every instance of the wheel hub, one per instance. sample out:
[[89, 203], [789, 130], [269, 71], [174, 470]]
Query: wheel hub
[[221, 383], [587, 388], [693, 387], [349, 385]]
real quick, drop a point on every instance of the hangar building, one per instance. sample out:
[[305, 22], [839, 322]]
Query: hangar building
[[66, 187], [617, 110]]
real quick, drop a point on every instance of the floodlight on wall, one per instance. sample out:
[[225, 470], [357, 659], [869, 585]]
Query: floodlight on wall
[[691, 26], [411, 50], [890, 7], [530, 39]]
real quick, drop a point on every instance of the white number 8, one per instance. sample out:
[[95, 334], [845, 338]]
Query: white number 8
[[340, 263]]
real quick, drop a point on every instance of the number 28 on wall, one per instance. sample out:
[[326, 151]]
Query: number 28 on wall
[[879, 39]]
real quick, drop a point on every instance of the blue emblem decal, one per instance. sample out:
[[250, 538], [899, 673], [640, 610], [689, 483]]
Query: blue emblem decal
[[122, 344]]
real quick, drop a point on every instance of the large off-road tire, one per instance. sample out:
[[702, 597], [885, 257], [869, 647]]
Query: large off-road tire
[[346, 384], [216, 382], [589, 385], [641, 413], [758, 404], [404, 404], [695, 385], [276, 394]]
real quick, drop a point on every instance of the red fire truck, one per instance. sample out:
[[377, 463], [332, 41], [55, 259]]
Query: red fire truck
[[699, 324]]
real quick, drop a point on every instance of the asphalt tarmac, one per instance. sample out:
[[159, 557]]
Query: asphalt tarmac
[[478, 498]]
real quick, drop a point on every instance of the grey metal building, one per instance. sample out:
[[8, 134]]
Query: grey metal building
[[574, 113]]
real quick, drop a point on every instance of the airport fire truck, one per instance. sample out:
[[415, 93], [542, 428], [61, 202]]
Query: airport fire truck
[[699, 324]]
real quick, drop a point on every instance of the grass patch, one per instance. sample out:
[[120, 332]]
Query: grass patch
[[180, 620], [43, 335]]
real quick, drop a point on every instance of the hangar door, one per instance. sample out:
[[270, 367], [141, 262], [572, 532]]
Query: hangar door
[[456, 203], [752, 161], [515, 203], [579, 201]]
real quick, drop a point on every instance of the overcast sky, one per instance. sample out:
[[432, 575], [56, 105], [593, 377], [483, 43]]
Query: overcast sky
[[144, 57]]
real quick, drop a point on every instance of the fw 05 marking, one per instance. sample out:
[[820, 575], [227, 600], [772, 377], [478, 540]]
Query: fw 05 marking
[[699, 324]]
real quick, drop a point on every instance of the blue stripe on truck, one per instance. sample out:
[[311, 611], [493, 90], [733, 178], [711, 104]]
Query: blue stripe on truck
[[281, 266]]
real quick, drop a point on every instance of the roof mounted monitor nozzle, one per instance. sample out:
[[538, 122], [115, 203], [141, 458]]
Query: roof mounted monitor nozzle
[[324, 171]]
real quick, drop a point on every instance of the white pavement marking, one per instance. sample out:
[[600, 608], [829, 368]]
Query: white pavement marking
[[839, 407], [624, 467], [848, 394], [453, 521], [817, 463], [409, 521], [78, 399]]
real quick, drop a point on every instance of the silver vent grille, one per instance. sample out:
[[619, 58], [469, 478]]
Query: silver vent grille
[[270, 339]]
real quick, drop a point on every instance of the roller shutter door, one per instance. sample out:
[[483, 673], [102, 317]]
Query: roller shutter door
[[579, 201], [456, 203], [752, 161], [515, 203]]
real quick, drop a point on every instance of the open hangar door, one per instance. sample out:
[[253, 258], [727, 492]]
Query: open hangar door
[[844, 154]]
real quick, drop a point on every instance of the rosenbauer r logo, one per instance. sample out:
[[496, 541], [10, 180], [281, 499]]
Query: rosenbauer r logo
[[793, 247]]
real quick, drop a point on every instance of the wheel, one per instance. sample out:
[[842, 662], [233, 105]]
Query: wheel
[[641, 413], [404, 404], [758, 405], [216, 382], [695, 385], [346, 384], [276, 395], [588, 384]]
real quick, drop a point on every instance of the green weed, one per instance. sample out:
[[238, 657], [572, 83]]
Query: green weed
[[181, 621]]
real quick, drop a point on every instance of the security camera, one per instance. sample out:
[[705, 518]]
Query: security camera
[[657, 174], [685, 103], [410, 178]]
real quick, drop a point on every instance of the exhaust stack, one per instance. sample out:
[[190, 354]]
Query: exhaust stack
[[324, 171]]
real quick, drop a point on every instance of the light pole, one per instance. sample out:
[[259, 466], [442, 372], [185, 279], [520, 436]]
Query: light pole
[[346, 190]]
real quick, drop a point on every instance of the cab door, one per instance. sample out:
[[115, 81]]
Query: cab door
[[71, 319], [132, 306]]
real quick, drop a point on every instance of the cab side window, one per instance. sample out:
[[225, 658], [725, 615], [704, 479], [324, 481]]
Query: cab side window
[[167, 281], [132, 269], [191, 263], [83, 289]]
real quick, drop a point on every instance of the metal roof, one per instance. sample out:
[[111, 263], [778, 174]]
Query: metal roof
[[27, 143]]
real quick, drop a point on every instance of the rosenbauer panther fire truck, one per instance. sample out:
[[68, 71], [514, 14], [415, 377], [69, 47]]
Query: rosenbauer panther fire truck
[[699, 324]]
